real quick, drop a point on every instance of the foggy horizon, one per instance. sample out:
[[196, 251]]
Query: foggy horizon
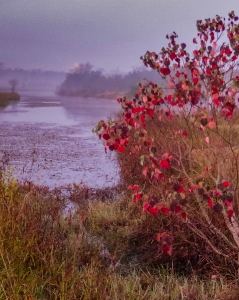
[[111, 35]]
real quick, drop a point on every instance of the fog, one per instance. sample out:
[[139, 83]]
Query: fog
[[110, 34], [30, 79]]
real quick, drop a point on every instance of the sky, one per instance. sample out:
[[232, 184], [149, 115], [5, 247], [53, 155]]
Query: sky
[[110, 34]]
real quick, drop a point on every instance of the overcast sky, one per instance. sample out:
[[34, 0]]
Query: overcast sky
[[110, 34]]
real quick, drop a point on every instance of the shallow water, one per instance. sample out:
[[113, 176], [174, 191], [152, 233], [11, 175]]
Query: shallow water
[[48, 140]]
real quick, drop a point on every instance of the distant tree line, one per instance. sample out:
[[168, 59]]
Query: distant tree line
[[35, 78], [85, 81]]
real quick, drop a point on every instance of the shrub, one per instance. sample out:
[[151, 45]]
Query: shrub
[[186, 138], [6, 97]]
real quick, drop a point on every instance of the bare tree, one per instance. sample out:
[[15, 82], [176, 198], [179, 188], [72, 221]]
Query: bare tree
[[1, 68], [13, 82]]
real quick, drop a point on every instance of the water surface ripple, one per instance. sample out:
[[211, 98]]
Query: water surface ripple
[[48, 140]]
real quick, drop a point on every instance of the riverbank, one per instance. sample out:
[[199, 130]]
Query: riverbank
[[109, 95], [5, 97]]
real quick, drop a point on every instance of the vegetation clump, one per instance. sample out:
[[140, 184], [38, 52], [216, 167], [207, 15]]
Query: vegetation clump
[[52, 248], [185, 140], [84, 81], [5, 97]]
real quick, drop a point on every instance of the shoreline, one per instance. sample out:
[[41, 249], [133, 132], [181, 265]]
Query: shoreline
[[5, 97], [103, 95]]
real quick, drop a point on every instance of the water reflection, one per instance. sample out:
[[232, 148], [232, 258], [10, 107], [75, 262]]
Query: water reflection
[[4, 105], [49, 140], [52, 115]]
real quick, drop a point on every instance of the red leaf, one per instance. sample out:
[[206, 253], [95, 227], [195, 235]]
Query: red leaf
[[195, 52], [177, 209], [106, 137], [225, 184], [166, 248], [181, 190], [111, 148], [227, 203], [142, 119], [230, 213], [165, 210], [195, 80], [165, 71], [145, 99], [172, 56], [137, 197], [116, 146], [165, 164], [145, 170], [153, 210], [212, 124], [216, 101], [209, 202], [158, 175], [150, 112], [185, 133], [183, 215], [121, 148], [160, 235], [135, 187], [146, 206], [128, 116], [194, 41], [208, 71], [155, 102]]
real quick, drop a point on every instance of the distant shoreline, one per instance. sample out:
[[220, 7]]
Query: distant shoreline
[[84, 94]]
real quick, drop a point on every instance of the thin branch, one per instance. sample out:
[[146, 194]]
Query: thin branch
[[203, 236]]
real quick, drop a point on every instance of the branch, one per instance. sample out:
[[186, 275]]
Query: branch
[[202, 235]]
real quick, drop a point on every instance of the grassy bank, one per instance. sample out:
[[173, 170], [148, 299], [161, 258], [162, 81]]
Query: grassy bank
[[111, 95], [5, 97], [96, 250]]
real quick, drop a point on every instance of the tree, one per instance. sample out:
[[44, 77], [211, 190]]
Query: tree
[[186, 136], [13, 83]]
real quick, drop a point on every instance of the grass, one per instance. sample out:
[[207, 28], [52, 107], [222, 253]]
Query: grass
[[95, 250], [84, 93], [5, 97]]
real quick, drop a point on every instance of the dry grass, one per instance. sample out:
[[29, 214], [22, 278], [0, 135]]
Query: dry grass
[[91, 252]]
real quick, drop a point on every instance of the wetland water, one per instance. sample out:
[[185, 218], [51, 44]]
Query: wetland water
[[48, 139]]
